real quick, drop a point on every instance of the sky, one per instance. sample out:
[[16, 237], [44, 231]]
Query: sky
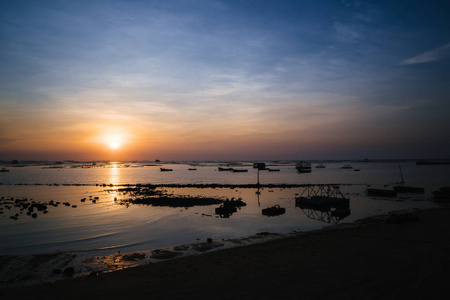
[[224, 80]]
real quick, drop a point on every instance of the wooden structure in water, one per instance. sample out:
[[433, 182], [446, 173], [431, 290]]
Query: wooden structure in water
[[325, 203]]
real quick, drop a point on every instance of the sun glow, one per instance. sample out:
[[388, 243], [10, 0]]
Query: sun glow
[[113, 138], [114, 145]]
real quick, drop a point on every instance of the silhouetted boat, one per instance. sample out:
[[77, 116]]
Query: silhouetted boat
[[192, 169], [381, 193], [320, 166], [303, 167], [166, 170], [346, 167], [273, 211], [4, 170], [273, 170], [225, 169], [239, 170]]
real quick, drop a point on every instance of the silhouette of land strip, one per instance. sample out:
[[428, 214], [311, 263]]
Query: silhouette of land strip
[[379, 259]]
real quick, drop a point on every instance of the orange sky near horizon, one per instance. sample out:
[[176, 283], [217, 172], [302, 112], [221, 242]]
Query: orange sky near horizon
[[78, 136]]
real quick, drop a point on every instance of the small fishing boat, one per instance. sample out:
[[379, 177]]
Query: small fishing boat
[[239, 170], [273, 211], [320, 166], [273, 170], [166, 170], [192, 169], [4, 170], [303, 167], [224, 169], [407, 189], [347, 166]]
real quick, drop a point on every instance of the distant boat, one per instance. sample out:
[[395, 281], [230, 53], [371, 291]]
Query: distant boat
[[273, 170], [303, 167], [346, 167], [225, 169], [192, 169], [407, 189], [4, 170], [239, 170], [166, 170], [320, 166]]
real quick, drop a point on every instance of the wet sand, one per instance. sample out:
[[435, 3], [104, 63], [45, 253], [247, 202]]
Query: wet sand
[[378, 260]]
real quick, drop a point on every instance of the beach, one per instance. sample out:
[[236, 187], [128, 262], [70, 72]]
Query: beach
[[380, 258]]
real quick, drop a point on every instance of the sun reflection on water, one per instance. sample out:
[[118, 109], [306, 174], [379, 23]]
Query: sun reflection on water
[[114, 180]]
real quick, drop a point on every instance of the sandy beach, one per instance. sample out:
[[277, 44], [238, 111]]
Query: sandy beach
[[379, 259]]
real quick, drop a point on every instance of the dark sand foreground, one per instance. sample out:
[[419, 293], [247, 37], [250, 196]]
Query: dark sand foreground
[[380, 260]]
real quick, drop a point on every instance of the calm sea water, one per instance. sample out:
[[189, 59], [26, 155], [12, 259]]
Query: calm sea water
[[106, 227]]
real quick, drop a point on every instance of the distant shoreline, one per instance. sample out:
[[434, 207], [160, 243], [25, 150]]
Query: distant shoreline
[[273, 162], [194, 185]]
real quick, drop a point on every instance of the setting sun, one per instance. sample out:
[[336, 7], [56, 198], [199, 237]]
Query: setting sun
[[112, 138], [114, 145]]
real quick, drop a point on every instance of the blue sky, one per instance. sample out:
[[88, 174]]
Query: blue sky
[[225, 79]]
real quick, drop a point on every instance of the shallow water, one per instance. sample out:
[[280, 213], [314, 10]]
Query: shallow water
[[106, 226]]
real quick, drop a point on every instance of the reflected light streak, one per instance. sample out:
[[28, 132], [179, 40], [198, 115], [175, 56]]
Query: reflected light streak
[[114, 173], [114, 179]]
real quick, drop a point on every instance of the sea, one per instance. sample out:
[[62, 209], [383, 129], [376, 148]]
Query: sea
[[94, 215], [64, 219]]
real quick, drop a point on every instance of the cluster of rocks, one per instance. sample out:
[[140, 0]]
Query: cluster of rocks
[[229, 206], [92, 199], [175, 201], [24, 205], [149, 195], [28, 207], [53, 184]]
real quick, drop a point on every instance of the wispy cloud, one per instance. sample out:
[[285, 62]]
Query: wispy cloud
[[346, 33], [428, 56], [7, 141]]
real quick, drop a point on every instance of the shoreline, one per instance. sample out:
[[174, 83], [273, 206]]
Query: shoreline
[[369, 259]]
